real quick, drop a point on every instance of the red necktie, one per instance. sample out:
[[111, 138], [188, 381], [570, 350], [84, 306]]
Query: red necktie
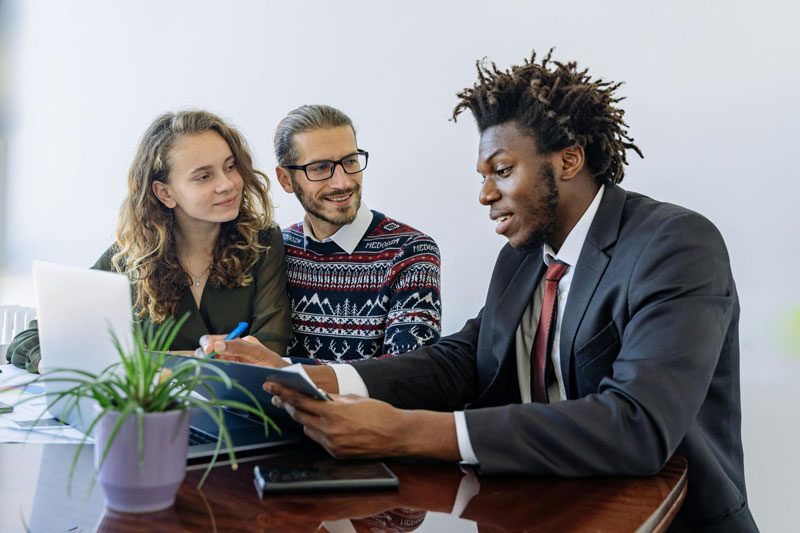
[[547, 320]]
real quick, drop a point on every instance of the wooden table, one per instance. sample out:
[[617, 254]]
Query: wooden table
[[33, 488]]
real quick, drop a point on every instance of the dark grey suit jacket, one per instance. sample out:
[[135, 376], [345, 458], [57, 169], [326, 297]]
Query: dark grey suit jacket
[[649, 358]]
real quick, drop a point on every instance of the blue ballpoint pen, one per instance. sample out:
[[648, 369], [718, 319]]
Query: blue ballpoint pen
[[238, 330]]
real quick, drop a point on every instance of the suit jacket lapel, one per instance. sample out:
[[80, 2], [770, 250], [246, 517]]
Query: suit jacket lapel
[[506, 315], [512, 304], [589, 270]]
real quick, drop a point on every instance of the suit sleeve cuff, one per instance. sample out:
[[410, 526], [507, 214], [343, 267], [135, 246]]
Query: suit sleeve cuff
[[464, 444], [350, 381]]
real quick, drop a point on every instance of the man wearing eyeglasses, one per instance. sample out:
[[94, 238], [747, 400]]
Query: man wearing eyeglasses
[[360, 284]]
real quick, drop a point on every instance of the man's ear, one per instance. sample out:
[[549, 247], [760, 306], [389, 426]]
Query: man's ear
[[571, 160], [161, 191], [284, 179]]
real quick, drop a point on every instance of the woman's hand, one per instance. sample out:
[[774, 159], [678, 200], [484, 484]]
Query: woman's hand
[[247, 350]]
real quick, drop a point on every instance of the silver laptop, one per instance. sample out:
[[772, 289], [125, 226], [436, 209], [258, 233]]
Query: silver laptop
[[76, 308]]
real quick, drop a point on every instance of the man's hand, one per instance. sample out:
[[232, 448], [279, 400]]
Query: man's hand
[[349, 426], [247, 350], [352, 426]]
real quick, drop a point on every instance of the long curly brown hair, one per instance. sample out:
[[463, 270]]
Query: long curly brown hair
[[145, 247], [560, 105]]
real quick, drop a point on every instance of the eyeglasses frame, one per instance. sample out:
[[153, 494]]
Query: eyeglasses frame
[[358, 151]]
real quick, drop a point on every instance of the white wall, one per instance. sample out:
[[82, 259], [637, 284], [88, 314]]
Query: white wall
[[712, 100]]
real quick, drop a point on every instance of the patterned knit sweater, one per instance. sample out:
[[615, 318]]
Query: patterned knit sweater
[[383, 299]]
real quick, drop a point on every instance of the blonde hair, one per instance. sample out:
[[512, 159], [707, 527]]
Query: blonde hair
[[145, 247]]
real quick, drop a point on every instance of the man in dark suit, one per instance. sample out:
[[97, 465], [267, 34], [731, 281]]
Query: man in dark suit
[[609, 337]]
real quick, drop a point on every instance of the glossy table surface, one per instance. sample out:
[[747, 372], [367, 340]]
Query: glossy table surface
[[431, 497]]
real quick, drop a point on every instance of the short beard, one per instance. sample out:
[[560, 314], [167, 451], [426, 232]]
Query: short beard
[[548, 206], [341, 217]]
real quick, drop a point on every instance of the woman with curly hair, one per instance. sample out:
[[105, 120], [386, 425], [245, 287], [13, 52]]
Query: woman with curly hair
[[195, 234]]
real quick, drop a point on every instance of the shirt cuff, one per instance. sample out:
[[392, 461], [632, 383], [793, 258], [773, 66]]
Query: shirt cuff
[[464, 444], [350, 381]]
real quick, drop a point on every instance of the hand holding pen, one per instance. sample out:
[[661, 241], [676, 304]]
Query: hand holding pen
[[247, 350], [238, 330]]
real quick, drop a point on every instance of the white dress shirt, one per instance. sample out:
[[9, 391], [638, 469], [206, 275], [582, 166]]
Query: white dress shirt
[[348, 236], [569, 253]]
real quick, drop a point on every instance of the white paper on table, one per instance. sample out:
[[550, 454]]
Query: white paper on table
[[12, 389]]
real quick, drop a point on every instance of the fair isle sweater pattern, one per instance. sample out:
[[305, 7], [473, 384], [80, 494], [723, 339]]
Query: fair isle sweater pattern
[[383, 299]]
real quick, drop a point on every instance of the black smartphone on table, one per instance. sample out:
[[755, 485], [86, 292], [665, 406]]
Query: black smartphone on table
[[324, 475]]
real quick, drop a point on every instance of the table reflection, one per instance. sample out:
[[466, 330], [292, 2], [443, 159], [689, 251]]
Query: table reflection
[[431, 497]]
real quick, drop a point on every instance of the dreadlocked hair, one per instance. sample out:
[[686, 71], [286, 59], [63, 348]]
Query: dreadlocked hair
[[559, 105]]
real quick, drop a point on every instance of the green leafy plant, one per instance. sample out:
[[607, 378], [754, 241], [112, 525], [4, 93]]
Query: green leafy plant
[[141, 383]]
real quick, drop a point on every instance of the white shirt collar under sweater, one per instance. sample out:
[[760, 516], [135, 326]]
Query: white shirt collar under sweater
[[349, 235]]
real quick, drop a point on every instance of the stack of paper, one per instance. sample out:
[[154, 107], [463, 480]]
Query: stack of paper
[[20, 425]]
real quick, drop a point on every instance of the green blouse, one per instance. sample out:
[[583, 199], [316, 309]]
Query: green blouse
[[263, 304]]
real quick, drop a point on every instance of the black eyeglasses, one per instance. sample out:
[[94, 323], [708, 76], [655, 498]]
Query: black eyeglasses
[[323, 170]]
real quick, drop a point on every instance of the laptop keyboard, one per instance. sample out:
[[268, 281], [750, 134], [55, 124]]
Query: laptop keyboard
[[198, 437]]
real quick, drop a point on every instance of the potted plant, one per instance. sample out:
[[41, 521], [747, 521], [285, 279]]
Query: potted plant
[[142, 416]]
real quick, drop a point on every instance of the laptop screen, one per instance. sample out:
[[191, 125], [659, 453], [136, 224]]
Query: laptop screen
[[77, 309]]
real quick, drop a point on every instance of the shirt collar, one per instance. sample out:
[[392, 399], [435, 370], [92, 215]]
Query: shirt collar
[[349, 235], [571, 249]]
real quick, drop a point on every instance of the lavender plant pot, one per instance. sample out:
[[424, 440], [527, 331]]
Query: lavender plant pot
[[133, 488]]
